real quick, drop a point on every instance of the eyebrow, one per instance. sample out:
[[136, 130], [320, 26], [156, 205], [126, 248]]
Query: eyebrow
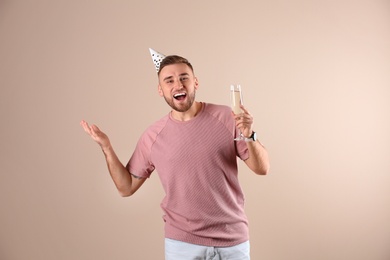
[[169, 77]]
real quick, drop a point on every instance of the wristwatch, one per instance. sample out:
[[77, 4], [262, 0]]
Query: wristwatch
[[252, 138]]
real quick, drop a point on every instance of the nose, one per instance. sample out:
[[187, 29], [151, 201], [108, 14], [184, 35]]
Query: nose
[[179, 84]]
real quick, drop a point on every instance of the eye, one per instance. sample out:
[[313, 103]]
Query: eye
[[183, 78]]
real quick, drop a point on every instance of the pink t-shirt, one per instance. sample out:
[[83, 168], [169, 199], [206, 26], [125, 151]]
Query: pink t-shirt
[[196, 161]]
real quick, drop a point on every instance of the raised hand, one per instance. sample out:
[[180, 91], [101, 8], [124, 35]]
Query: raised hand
[[96, 134], [244, 121]]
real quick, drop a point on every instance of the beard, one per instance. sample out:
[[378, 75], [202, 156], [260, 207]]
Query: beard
[[182, 107]]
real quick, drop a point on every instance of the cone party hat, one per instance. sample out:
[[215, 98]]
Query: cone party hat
[[157, 58]]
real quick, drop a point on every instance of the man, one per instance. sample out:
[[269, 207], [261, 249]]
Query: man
[[193, 151]]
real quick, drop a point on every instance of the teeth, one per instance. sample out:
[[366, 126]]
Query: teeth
[[179, 94]]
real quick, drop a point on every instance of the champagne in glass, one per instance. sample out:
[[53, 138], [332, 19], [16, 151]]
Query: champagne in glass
[[236, 102]]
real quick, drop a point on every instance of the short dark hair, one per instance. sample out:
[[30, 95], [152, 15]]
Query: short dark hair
[[174, 59]]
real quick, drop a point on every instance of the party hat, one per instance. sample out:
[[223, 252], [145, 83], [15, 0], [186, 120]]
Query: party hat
[[157, 58]]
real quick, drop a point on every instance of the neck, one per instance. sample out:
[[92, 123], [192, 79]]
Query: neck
[[189, 114]]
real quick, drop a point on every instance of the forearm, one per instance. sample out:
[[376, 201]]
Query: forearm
[[119, 174], [258, 160], [122, 178]]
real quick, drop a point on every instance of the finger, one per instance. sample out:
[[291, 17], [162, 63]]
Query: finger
[[243, 108], [248, 119], [244, 124], [96, 133], [86, 127], [244, 117], [95, 129]]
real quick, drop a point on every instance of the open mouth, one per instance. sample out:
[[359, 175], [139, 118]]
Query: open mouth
[[180, 96]]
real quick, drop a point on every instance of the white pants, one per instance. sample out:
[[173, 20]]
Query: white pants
[[177, 250]]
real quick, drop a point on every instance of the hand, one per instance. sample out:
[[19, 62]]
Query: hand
[[244, 122], [98, 136]]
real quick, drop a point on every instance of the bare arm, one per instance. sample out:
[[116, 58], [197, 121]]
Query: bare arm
[[124, 181], [258, 160]]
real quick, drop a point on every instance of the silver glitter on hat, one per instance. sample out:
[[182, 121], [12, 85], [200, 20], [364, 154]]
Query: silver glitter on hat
[[157, 58]]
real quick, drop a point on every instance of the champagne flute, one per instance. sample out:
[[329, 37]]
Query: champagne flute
[[236, 102]]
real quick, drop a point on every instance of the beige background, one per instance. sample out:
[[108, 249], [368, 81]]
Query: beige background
[[315, 76]]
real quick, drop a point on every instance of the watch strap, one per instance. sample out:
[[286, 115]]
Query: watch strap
[[252, 138]]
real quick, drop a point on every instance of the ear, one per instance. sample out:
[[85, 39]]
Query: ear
[[196, 86], [160, 92]]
